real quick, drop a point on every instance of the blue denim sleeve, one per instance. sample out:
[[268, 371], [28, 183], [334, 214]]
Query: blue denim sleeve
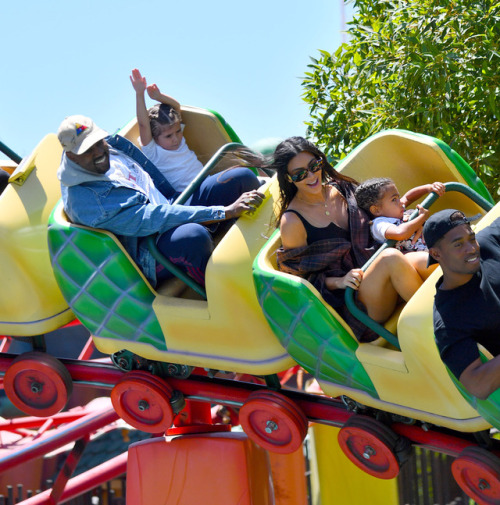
[[124, 211]]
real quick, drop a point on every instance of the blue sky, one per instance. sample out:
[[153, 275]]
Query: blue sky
[[245, 60]]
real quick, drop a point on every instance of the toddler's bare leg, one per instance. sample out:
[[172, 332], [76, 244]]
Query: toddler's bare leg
[[389, 277]]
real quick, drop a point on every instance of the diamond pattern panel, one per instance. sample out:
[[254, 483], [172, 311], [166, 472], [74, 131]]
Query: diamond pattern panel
[[102, 287], [309, 333]]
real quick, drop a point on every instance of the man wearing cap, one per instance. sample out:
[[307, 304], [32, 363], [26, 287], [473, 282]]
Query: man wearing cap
[[467, 301], [104, 187]]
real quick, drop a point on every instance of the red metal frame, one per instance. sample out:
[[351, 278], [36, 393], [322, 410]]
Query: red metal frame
[[320, 409], [71, 432], [84, 482], [102, 374]]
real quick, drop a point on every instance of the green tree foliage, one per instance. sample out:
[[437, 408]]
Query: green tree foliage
[[429, 66]]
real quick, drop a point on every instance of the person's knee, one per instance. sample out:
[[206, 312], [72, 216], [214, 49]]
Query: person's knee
[[392, 254], [242, 177], [391, 257], [201, 241], [189, 241]]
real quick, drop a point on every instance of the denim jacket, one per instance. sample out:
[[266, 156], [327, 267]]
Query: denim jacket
[[100, 202]]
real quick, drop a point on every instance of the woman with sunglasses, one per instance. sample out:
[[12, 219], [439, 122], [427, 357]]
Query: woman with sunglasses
[[326, 237]]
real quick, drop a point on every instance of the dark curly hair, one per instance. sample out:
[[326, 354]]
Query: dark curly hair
[[370, 192], [284, 153], [161, 115]]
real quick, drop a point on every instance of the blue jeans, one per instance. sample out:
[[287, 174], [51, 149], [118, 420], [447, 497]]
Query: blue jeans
[[190, 245]]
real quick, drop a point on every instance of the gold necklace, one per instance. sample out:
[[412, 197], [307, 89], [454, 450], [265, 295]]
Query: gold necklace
[[324, 203]]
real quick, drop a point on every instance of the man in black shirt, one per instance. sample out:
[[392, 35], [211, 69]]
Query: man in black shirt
[[467, 301]]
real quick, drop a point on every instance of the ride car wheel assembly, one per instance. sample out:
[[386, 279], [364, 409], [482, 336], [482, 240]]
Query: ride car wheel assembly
[[273, 421], [38, 384], [477, 472], [143, 401], [372, 446]]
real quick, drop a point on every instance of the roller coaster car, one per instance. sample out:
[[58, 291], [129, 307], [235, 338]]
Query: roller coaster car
[[172, 323], [230, 331]]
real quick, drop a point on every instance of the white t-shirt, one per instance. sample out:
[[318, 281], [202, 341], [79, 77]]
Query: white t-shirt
[[179, 167], [379, 227], [130, 174]]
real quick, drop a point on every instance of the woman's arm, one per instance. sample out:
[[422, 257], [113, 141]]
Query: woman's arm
[[351, 279], [293, 233]]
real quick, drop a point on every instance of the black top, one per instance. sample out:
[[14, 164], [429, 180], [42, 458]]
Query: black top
[[315, 234], [470, 314]]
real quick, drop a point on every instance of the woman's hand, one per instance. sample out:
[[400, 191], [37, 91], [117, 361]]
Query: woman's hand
[[352, 280]]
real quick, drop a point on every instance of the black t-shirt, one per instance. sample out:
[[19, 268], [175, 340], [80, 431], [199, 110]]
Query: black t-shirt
[[470, 314]]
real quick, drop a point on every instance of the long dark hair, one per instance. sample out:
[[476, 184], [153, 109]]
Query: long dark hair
[[284, 153]]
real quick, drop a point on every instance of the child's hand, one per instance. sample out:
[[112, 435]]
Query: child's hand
[[437, 187], [138, 82], [422, 211], [154, 92], [418, 232]]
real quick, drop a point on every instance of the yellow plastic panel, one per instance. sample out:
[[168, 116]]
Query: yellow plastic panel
[[30, 300], [232, 332], [410, 160]]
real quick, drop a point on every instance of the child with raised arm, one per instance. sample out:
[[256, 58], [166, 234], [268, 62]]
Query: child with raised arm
[[160, 131], [380, 198], [161, 134]]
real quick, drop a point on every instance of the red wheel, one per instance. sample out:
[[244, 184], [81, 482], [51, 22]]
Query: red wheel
[[143, 401], [273, 421], [38, 384], [477, 472], [370, 445]]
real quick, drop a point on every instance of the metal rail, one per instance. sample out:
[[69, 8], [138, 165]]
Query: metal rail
[[318, 409], [83, 483]]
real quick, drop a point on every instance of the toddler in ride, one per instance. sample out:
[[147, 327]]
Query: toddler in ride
[[380, 198], [161, 134]]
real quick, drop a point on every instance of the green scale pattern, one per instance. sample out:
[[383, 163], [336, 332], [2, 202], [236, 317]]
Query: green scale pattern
[[309, 332], [100, 284]]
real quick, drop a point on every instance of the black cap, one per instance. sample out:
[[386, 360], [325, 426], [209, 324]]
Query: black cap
[[440, 223]]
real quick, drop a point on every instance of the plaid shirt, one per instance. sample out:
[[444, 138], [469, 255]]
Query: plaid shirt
[[334, 257]]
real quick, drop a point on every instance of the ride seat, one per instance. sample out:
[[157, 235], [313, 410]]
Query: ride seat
[[269, 262], [210, 468]]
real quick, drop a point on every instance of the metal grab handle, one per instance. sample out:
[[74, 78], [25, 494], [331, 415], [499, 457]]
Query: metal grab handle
[[181, 199], [196, 182], [429, 200], [10, 153]]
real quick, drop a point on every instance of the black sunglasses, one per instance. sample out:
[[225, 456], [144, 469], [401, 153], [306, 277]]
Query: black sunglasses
[[314, 166]]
